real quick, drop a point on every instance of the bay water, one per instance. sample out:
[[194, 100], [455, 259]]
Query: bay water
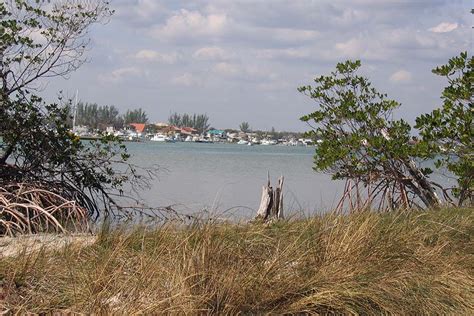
[[228, 178]]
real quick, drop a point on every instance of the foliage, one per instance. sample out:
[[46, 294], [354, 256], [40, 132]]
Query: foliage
[[42, 39], [175, 119], [244, 127], [278, 135], [448, 132], [97, 116], [359, 140], [200, 122], [151, 129], [135, 116], [48, 154]]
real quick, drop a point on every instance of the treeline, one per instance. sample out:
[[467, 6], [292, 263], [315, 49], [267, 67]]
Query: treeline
[[272, 134], [200, 122], [279, 135], [100, 117]]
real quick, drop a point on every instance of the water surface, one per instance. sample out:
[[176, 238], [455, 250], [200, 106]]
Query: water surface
[[218, 177]]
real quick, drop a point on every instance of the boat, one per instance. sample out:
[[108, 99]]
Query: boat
[[267, 142], [242, 142], [161, 138], [293, 142], [204, 140]]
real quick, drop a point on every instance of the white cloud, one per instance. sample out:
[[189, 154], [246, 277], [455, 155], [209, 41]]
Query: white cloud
[[227, 69], [151, 55], [239, 48], [290, 53], [408, 39], [245, 72], [146, 8], [211, 53], [186, 79], [393, 44], [120, 74], [401, 76], [139, 11], [189, 24], [292, 35], [353, 48], [444, 27]]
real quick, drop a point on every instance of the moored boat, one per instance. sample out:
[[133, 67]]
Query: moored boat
[[160, 138]]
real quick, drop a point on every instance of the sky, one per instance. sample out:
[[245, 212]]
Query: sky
[[242, 60]]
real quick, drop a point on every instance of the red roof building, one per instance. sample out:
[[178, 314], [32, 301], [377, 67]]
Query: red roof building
[[188, 130], [139, 127]]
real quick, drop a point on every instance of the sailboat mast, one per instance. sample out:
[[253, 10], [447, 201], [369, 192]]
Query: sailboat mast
[[75, 111]]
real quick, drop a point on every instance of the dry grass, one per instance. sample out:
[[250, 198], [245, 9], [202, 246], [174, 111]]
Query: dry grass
[[366, 263]]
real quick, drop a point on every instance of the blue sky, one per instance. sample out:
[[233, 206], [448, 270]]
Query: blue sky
[[242, 60]]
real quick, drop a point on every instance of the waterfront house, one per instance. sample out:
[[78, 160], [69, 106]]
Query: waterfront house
[[161, 125], [139, 127], [188, 131], [216, 134]]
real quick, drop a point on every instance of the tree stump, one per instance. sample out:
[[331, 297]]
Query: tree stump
[[271, 203]]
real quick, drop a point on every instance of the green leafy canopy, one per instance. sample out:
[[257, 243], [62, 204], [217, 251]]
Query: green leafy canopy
[[353, 124], [448, 132]]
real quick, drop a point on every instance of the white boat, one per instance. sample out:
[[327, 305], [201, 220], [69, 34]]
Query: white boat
[[242, 142], [293, 142], [189, 139], [267, 142], [255, 141], [159, 138], [204, 140]]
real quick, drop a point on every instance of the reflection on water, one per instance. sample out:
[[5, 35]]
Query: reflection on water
[[217, 177]]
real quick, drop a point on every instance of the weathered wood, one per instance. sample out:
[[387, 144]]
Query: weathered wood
[[265, 203], [279, 211], [271, 203], [426, 191]]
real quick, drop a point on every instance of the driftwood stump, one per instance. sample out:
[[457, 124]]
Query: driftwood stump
[[271, 203]]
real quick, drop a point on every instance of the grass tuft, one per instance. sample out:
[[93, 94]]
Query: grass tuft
[[363, 263]]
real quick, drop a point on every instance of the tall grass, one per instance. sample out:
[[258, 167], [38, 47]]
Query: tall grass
[[365, 263]]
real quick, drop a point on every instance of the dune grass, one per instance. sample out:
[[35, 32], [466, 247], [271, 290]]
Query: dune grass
[[365, 263]]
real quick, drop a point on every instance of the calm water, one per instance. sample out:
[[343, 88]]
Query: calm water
[[218, 177]]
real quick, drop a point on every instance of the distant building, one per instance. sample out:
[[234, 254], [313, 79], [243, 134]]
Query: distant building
[[216, 133], [233, 137], [139, 127], [170, 130], [243, 135], [188, 131]]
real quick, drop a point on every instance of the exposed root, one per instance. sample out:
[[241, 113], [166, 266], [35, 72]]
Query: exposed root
[[29, 208]]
